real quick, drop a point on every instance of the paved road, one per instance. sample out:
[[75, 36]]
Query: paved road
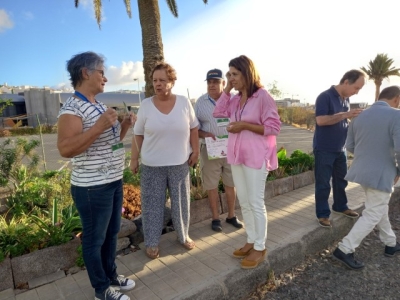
[[290, 137], [293, 138]]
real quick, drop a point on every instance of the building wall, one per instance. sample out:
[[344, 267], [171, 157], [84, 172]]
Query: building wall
[[44, 104]]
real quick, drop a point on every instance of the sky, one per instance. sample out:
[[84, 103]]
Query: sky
[[305, 46]]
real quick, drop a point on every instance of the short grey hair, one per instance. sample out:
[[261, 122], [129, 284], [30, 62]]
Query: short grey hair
[[78, 62], [389, 93]]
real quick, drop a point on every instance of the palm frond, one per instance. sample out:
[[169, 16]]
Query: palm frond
[[128, 8], [173, 7], [381, 67], [97, 11]]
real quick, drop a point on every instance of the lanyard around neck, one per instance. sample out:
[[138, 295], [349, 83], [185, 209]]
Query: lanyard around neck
[[211, 100], [83, 97], [240, 110]]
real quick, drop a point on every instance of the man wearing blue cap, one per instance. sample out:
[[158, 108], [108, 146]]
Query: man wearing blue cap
[[213, 169]]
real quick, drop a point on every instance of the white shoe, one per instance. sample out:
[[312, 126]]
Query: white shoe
[[122, 283]]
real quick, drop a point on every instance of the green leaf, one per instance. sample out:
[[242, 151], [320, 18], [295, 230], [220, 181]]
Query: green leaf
[[54, 215]]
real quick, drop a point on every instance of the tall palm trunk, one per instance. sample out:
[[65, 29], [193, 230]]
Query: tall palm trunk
[[153, 51], [378, 83]]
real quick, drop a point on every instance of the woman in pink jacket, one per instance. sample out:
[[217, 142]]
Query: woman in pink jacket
[[254, 125]]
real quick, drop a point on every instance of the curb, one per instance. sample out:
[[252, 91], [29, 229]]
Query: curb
[[236, 284]]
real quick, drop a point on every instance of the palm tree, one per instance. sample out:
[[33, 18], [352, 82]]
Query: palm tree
[[379, 69], [149, 15]]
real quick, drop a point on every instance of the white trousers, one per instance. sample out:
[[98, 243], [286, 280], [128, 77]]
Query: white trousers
[[250, 188], [376, 213]]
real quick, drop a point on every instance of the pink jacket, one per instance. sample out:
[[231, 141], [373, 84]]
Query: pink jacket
[[247, 147]]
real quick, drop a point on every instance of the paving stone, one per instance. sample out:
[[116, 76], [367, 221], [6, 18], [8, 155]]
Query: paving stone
[[44, 262], [7, 294], [48, 292], [88, 291], [55, 276], [35, 282], [160, 288], [148, 278], [213, 264], [143, 293], [65, 281], [77, 296], [68, 289], [181, 286], [29, 295], [122, 269], [82, 279]]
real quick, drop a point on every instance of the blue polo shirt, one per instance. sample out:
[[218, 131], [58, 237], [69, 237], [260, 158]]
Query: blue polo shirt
[[331, 138]]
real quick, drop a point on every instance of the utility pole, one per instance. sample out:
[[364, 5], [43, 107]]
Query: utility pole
[[137, 79]]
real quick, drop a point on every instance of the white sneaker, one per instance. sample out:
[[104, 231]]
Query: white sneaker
[[122, 283]]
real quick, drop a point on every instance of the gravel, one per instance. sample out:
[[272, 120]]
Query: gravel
[[322, 277]]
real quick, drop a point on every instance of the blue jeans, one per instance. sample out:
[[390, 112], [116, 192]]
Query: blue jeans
[[100, 209], [327, 165]]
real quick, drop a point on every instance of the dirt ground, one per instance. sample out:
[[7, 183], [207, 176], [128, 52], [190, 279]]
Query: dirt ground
[[322, 277]]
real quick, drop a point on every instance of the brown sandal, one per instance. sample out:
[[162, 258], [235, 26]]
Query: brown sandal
[[153, 252], [189, 244]]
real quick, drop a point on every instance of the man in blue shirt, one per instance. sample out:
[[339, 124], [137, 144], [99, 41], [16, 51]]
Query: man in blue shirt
[[332, 111]]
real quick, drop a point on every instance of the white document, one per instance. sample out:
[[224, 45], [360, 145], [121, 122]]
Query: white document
[[218, 148]]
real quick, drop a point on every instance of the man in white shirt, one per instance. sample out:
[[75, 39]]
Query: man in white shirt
[[213, 169]]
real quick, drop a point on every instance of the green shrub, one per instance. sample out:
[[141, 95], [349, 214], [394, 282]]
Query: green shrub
[[12, 153], [18, 236], [58, 228], [197, 191], [297, 115], [27, 233], [130, 178], [79, 261], [300, 158], [297, 163], [45, 128], [31, 194]]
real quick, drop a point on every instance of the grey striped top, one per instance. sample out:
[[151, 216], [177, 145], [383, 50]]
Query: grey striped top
[[97, 165], [204, 108]]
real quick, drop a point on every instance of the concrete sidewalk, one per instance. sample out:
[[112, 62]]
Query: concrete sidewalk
[[209, 271]]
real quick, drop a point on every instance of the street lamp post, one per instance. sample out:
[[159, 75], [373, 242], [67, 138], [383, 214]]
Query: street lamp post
[[137, 79]]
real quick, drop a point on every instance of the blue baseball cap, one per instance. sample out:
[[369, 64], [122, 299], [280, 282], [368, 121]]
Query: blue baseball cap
[[214, 74]]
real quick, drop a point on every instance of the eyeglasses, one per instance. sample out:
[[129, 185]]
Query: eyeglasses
[[101, 72]]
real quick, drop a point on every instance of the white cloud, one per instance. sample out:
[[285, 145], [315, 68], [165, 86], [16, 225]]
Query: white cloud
[[28, 15], [306, 48], [5, 21], [122, 76], [66, 87], [86, 3]]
